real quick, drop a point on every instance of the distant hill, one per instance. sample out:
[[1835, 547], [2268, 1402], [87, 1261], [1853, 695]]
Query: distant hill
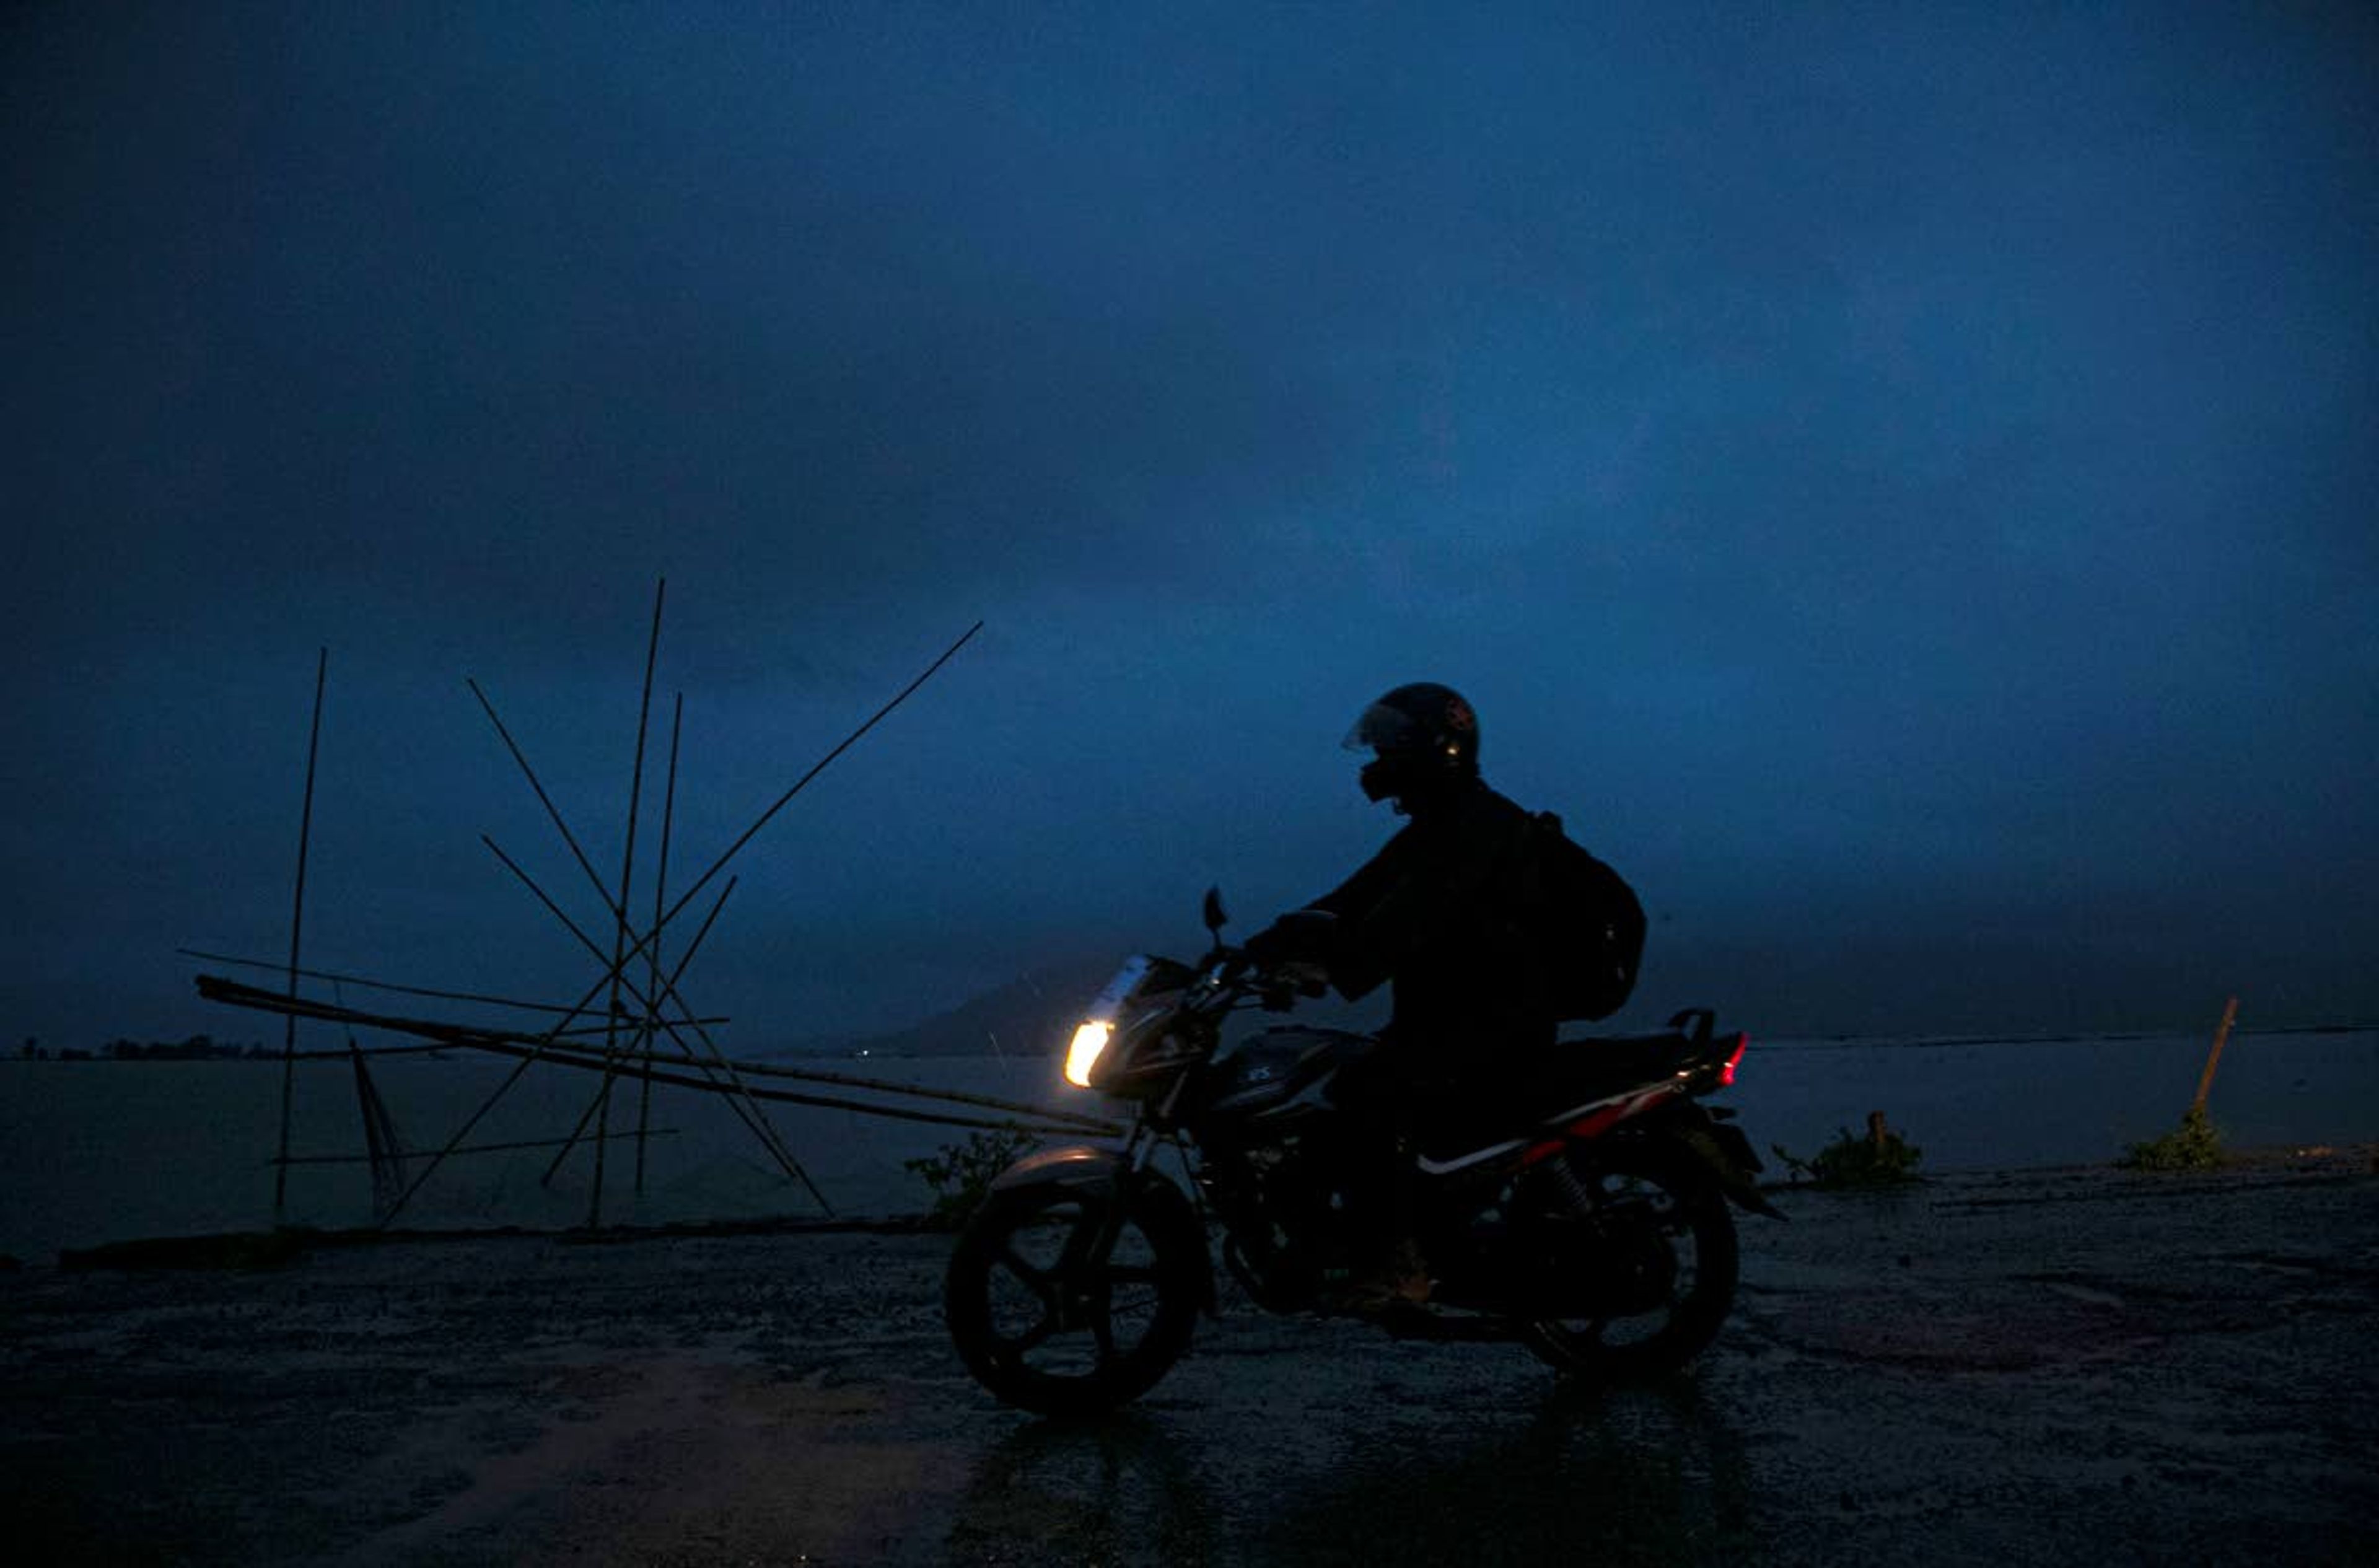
[[1035, 1014]]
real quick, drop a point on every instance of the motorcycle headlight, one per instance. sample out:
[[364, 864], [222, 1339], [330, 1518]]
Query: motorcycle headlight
[[1083, 1054], [1092, 1038]]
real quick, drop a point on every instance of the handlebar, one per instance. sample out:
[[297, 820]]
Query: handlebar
[[1232, 974]]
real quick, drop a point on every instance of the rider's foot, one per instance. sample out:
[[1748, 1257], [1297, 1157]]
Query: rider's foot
[[1401, 1278]]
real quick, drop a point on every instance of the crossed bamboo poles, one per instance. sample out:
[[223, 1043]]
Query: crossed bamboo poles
[[652, 999], [630, 1037]]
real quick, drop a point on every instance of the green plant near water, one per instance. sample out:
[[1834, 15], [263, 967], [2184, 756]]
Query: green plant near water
[[1881, 1159], [2195, 1145], [961, 1174]]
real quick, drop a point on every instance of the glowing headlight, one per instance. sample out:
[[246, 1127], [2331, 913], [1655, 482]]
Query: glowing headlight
[[1083, 1054]]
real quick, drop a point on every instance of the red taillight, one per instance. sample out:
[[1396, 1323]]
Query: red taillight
[[1726, 1073]]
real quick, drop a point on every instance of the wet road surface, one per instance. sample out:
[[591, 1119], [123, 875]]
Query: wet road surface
[[2045, 1367]]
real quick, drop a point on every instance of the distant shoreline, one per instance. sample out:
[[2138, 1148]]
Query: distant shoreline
[[251, 1052]]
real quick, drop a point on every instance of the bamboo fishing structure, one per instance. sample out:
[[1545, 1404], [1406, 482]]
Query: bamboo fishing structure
[[632, 1021]]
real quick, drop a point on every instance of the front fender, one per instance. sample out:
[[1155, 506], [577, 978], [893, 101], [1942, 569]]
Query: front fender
[[1074, 1165], [1162, 1210]]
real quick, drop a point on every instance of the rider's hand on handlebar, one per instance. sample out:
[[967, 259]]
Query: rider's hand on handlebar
[[1310, 979], [1297, 977]]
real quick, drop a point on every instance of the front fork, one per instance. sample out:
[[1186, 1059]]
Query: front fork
[[1095, 1244], [1110, 1182]]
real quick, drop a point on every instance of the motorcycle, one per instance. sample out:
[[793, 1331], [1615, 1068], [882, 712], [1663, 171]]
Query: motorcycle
[[1593, 1225]]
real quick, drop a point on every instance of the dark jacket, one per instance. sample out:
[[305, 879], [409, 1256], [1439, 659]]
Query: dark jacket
[[1439, 914]]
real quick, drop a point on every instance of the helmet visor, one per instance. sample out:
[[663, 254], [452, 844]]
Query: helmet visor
[[1384, 729]]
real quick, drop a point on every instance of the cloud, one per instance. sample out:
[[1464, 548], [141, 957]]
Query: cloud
[[1913, 462]]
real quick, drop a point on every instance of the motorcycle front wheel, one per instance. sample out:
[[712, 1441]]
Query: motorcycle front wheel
[[1664, 1253], [1056, 1317]]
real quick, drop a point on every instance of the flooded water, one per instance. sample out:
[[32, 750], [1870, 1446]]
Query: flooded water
[[102, 1150]]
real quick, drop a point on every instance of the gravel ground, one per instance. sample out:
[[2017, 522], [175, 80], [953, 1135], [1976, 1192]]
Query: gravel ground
[[2076, 1366]]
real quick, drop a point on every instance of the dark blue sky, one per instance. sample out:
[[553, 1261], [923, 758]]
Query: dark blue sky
[[1899, 481]]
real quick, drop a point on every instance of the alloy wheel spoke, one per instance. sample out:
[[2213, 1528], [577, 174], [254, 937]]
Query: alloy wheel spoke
[[1034, 1337], [1031, 1275]]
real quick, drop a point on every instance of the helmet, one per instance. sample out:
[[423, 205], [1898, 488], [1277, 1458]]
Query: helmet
[[1425, 736]]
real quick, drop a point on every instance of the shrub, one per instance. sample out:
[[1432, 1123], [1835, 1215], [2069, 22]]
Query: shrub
[[961, 1174], [2195, 1145], [1882, 1158]]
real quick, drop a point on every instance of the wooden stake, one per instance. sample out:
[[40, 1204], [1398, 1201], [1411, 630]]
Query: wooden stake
[[296, 925], [2213, 1058]]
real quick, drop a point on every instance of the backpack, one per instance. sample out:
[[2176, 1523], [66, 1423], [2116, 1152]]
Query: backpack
[[1589, 926]]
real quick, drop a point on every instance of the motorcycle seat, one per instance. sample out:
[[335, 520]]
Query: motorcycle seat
[[1548, 1085], [1581, 1071]]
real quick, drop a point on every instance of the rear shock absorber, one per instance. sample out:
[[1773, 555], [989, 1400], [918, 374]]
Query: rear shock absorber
[[1560, 1179]]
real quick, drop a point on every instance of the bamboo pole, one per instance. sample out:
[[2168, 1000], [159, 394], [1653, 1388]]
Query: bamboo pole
[[784, 1159], [431, 1048], [618, 911], [770, 1069], [277, 967], [577, 1132], [756, 1119], [661, 922], [470, 1149], [627, 882], [552, 811], [749, 1109], [652, 938], [2214, 1058], [222, 991], [820, 766], [385, 1150], [759, 1124], [759, 1129], [296, 925], [791, 1097], [660, 887], [736, 848], [545, 1048]]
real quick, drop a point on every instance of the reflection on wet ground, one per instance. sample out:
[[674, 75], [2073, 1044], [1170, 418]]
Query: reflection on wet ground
[[1630, 1476], [1119, 1489], [1634, 1475], [2073, 1367]]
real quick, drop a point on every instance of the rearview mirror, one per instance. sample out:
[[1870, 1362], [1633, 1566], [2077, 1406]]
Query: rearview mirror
[[1216, 917]]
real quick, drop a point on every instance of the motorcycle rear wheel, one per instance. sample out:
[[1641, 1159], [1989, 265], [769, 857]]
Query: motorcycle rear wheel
[[1668, 1217], [1048, 1326]]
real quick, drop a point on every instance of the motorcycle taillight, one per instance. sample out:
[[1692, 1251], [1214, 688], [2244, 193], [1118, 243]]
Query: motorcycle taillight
[[1735, 1057]]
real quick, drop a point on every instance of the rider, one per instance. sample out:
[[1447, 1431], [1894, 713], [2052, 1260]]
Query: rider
[[1440, 914]]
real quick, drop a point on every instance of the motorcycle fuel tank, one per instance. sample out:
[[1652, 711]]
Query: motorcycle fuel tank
[[1281, 1073]]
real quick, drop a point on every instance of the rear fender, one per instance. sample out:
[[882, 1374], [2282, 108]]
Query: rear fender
[[1722, 1148]]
